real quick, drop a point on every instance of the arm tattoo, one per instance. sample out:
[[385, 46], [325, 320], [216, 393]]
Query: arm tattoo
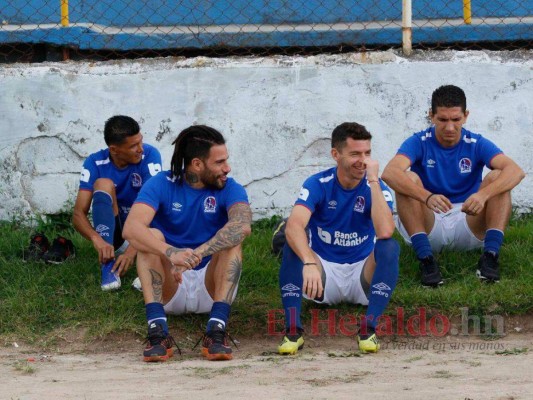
[[233, 274], [231, 234], [191, 177], [171, 250], [157, 285]]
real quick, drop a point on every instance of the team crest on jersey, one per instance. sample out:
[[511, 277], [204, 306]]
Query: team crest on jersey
[[210, 204], [136, 180], [359, 204], [465, 165]]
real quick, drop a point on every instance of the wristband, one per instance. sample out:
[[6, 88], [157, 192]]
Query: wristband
[[429, 197], [376, 181], [313, 263]]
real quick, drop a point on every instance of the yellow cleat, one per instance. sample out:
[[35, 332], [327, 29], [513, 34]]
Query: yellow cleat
[[369, 345], [289, 347]]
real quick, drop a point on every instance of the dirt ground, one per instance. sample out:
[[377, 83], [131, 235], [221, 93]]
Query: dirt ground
[[453, 367]]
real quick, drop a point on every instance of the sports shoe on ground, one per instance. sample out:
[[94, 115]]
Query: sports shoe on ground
[[430, 272], [110, 280], [158, 344], [488, 268], [291, 343], [62, 249], [39, 245], [368, 343], [215, 345], [136, 284]]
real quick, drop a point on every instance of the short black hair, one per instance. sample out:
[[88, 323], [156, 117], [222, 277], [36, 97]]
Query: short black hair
[[118, 128], [348, 130], [193, 142], [448, 96]]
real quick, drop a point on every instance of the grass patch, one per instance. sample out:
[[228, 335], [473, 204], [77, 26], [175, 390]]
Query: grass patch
[[39, 300]]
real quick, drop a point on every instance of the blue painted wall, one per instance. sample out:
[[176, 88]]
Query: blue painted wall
[[141, 13]]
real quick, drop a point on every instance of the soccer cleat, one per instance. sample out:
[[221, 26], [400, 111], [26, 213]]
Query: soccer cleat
[[62, 250], [136, 284], [215, 345], [291, 343], [110, 280], [368, 343], [39, 245], [158, 344], [488, 268], [430, 272]]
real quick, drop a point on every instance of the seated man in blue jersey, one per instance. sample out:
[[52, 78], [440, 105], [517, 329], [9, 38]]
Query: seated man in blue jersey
[[441, 198], [345, 209], [188, 225], [110, 180]]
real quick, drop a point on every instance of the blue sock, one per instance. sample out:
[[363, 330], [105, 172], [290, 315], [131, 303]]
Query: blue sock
[[219, 315], [421, 245], [103, 216], [493, 240], [290, 283], [156, 313], [387, 255]]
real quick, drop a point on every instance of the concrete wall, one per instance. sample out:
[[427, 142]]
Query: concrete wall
[[277, 114]]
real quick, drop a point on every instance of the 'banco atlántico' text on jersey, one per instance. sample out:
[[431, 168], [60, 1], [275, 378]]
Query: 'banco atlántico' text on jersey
[[128, 181], [186, 216], [341, 224], [454, 172]]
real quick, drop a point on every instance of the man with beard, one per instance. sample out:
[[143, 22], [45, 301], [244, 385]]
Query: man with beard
[[349, 256], [188, 225]]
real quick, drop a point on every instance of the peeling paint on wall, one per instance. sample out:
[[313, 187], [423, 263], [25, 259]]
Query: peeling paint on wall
[[277, 114]]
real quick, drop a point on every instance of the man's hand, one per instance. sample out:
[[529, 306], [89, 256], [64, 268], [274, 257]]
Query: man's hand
[[105, 250], [177, 273], [372, 169], [125, 261], [439, 203], [474, 204], [312, 286], [185, 257]]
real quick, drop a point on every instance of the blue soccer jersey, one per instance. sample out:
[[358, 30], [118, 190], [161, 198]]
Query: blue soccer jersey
[[189, 217], [454, 172], [128, 181], [341, 224]]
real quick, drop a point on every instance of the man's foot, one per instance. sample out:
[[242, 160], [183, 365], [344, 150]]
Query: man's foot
[[215, 345], [488, 267], [430, 272], [110, 280], [368, 343], [158, 344], [39, 245], [62, 250], [291, 343]]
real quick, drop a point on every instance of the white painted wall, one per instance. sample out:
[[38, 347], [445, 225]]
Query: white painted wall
[[277, 114]]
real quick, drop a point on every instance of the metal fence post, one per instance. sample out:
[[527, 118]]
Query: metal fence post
[[467, 11], [407, 25], [64, 13]]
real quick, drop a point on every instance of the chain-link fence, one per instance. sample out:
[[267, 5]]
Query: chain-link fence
[[36, 30]]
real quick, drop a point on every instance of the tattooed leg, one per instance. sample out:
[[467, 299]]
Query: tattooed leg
[[223, 274]]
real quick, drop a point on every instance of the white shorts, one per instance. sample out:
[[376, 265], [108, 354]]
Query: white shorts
[[450, 231], [192, 295], [343, 283]]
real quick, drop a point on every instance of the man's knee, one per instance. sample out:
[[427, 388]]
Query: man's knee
[[104, 185]]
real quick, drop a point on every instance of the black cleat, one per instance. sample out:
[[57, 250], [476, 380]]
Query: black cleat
[[62, 250], [39, 245], [429, 269], [488, 267]]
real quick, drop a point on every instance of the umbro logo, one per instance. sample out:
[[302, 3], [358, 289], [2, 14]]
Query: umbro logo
[[332, 204], [101, 228], [289, 287], [431, 163], [381, 286], [176, 206]]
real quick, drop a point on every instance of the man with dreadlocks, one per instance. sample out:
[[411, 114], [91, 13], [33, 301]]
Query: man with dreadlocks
[[188, 225]]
